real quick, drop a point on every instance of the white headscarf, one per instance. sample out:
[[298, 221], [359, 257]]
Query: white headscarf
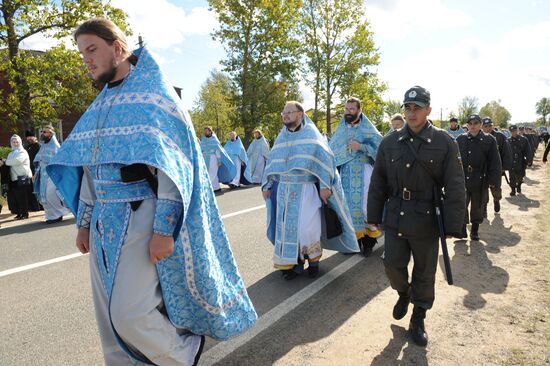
[[20, 147]]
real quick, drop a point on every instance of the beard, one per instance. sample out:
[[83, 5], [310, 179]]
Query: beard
[[108, 75], [208, 134], [350, 117], [45, 139]]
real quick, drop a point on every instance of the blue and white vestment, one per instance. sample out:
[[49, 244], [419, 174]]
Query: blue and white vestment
[[237, 153], [356, 166], [257, 152], [220, 166], [298, 162], [142, 121]]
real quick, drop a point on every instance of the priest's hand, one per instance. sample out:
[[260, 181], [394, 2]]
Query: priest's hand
[[83, 240], [354, 145], [266, 194], [325, 193], [160, 247]]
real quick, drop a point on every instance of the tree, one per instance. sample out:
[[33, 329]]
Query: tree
[[44, 85], [498, 114], [215, 105], [262, 56], [392, 107], [467, 107], [543, 108], [340, 50]]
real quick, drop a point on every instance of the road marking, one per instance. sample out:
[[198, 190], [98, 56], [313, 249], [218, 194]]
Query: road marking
[[223, 349], [39, 264], [243, 211], [76, 255]]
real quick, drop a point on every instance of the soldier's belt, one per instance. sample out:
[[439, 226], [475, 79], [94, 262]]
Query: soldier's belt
[[408, 195]]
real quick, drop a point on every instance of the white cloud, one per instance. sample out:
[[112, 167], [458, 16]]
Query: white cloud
[[530, 36], [396, 19], [164, 25], [472, 68]]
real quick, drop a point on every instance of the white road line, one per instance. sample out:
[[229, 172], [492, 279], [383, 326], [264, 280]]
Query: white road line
[[39, 264], [75, 255], [222, 349], [243, 211]]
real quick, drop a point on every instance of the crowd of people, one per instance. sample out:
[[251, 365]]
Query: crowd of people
[[142, 189], [25, 182]]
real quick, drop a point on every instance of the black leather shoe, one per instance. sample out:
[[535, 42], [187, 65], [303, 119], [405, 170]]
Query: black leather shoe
[[519, 189], [513, 193], [401, 306], [22, 217], [199, 352], [313, 271], [418, 332], [289, 274], [367, 244], [59, 219], [497, 206]]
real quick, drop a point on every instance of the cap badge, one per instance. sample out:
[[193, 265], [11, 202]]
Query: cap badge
[[412, 94]]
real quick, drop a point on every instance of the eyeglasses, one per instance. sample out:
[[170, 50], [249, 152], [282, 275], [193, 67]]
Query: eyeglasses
[[287, 113]]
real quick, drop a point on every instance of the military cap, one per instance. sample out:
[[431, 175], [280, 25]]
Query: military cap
[[487, 121], [513, 128], [453, 119], [417, 95], [474, 117]]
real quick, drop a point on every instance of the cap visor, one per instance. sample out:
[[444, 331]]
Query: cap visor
[[420, 104]]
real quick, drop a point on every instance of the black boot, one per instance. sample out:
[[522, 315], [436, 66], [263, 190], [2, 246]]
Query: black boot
[[474, 234], [416, 326], [513, 193], [367, 244], [519, 188], [313, 270], [497, 206], [402, 305]]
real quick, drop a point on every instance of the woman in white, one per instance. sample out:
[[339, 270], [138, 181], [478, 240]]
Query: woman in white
[[20, 174]]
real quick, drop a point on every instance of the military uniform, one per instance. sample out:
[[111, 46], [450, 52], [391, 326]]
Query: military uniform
[[522, 156], [482, 168], [505, 153], [404, 189]]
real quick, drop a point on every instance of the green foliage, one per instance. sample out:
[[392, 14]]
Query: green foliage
[[467, 107], [340, 53], [215, 106], [543, 108], [4, 152], [44, 86], [498, 114], [392, 107], [262, 57]]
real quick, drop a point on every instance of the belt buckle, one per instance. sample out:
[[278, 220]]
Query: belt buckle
[[469, 169], [406, 194]]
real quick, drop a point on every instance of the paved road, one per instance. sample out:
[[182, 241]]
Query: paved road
[[47, 312]]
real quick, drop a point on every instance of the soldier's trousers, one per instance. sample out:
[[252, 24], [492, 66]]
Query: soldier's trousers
[[476, 200], [397, 254], [516, 178]]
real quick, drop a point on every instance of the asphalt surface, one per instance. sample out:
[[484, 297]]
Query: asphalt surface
[[47, 312]]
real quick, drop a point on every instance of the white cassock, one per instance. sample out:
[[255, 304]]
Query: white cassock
[[238, 164], [213, 166], [53, 206]]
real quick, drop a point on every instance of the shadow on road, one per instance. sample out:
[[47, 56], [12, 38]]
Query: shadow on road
[[35, 226], [496, 235], [475, 273], [523, 202], [316, 318], [412, 355]]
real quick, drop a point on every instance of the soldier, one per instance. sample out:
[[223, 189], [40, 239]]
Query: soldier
[[505, 153], [402, 185], [522, 157], [482, 169]]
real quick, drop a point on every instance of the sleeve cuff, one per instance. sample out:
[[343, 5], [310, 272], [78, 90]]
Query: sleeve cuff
[[84, 215], [167, 216]]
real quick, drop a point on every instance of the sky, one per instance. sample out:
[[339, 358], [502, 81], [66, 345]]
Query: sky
[[493, 50]]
